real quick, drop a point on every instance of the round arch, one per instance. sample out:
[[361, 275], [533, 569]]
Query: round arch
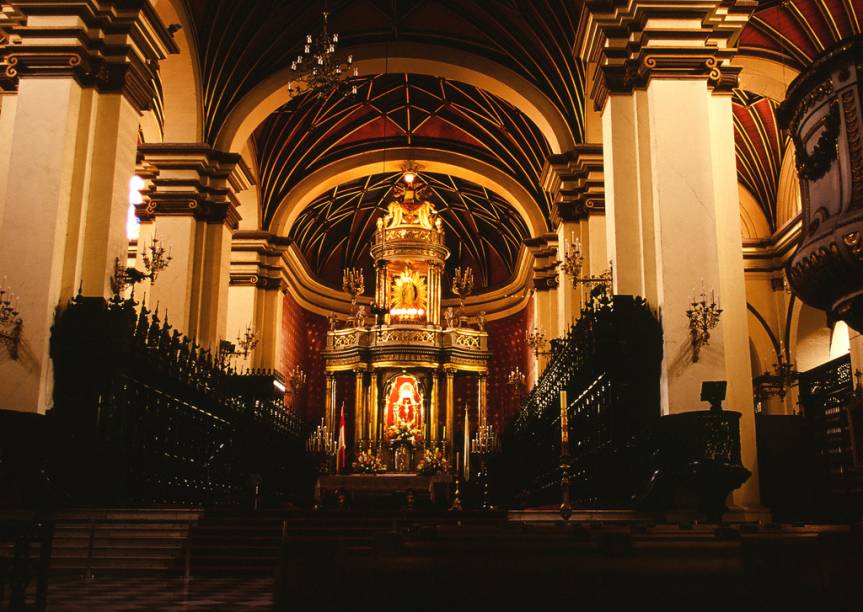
[[373, 162], [764, 77], [181, 79], [414, 58]]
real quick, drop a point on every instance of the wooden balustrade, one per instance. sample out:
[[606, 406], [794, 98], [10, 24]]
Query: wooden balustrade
[[143, 414]]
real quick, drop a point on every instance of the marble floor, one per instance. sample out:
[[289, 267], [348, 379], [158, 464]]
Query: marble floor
[[110, 594]]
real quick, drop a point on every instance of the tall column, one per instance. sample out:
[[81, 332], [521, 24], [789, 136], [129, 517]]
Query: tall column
[[256, 296], [545, 285], [359, 408], [373, 406], [434, 291], [84, 70], [575, 182], [192, 199], [671, 190], [450, 411]]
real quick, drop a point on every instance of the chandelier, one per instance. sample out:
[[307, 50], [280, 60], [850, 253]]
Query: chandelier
[[318, 69]]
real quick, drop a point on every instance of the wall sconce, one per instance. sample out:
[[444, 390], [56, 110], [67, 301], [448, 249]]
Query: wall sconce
[[297, 379], [573, 264], [702, 318], [536, 340], [516, 379], [245, 344], [155, 259], [10, 320]]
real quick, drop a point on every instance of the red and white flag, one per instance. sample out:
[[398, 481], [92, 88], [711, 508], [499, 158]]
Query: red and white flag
[[341, 450]]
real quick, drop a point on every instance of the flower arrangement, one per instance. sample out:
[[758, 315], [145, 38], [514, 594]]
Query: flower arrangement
[[404, 433], [433, 461], [368, 463]]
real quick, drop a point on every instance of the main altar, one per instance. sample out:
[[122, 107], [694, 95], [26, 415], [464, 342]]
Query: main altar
[[402, 361]]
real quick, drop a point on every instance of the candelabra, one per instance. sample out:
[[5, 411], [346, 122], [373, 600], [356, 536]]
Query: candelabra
[[573, 264], [297, 379], [354, 283], [322, 445], [317, 68], [485, 441], [462, 284], [536, 340], [777, 382], [702, 318], [10, 320], [246, 343], [155, 259], [516, 379]]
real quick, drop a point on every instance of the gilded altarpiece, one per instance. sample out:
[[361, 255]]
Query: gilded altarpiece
[[404, 360]]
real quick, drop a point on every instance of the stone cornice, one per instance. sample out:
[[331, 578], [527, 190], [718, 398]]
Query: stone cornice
[[772, 253], [576, 183], [191, 179], [544, 251], [112, 45], [634, 41]]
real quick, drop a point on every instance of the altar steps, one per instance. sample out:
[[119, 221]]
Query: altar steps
[[228, 543]]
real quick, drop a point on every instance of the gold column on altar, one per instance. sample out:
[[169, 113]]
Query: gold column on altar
[[359, 408], [330, 404], [434, 410], [450, 410], [372, 407], [434, 284], [482, 400], [381, 287]]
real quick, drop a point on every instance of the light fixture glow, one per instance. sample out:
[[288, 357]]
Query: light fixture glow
[[409, 177]]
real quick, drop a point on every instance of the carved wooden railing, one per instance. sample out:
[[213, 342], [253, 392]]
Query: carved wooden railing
[[608, 365], [144, 415]]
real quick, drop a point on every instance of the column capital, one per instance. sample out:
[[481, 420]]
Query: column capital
[[634, 41], [544, 251], [192, 179], [112, 45], [450, 371], [575, 182], [257, 258]]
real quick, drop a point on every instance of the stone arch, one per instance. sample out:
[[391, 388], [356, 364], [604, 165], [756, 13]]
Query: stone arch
[[414, 58], [764, 77], [181, 79], [788, 203], [373, 162]]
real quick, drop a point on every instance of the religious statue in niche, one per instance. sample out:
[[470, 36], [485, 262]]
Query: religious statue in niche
[[409, 294], [404, 402]]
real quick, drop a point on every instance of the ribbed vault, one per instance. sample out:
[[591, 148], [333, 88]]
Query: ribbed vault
[[482, 230], [242, 43], [390, 111], [760, 144]]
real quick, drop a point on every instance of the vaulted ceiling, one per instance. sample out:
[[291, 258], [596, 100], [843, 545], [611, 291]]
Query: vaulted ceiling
[[396, 110], [482, 230], [240, 44]]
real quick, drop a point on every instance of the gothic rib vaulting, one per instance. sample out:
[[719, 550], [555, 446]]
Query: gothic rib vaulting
[[420, 255]]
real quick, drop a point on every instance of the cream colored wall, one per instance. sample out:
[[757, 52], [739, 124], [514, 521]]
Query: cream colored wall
[[8, 104]]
